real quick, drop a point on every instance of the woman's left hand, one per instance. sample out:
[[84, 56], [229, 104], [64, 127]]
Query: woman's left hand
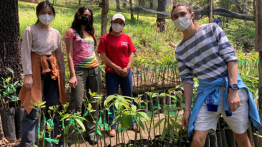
[[233, 100], [125, 72]]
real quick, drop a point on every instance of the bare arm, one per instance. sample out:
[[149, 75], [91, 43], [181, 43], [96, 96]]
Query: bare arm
[[188, 88], [69, 48], [59, 53], [233, 98], [108, 62], [131, 59]]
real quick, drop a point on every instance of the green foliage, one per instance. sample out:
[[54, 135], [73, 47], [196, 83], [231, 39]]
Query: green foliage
[[8, 90]]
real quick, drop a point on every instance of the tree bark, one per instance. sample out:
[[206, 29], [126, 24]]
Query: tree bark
[[210, 11], [142, 3], [104, 17], [258, 47], [151, 4], [239, 9], [124, 4], [161, 18], [10, 45], [117, 5], [131, 9]]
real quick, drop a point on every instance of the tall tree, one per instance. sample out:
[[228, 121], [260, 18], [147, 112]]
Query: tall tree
[[124, 4], [117, 5], [258, 47], [142, 3], [10, 45], [160, 17], [131, 9], [151, 4], [105, 4]]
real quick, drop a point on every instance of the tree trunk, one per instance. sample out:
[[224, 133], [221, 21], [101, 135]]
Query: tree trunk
[[142, 3], [104, 17], [258, 47], [124, 4], [117, 5], [239, 8], [174, 2], [131, 9], [10, 45], [79, 2], [161, 18], [151, 4]]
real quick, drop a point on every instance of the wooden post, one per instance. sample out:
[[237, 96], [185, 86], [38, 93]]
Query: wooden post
[[210, 11], [104, 17], [258, 47], [131, 9]]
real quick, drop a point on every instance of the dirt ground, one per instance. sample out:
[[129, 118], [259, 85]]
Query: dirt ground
[[129, 135]]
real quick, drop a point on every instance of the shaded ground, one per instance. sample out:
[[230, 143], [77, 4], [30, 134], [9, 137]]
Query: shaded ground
[[129, 135]]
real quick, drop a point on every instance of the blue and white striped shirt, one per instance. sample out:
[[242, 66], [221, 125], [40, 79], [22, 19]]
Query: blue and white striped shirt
[[205, 54]]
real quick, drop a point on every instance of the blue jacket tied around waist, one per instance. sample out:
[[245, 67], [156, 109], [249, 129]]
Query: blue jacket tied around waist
[[210, 91]]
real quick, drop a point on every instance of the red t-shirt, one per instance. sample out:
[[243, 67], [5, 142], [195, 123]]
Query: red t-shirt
[[117, 49]]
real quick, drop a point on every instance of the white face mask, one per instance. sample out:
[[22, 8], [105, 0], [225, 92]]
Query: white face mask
[[117, 27], [182, 23], [46, 19]]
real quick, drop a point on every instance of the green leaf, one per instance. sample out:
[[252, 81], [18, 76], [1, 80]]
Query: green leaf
[[106, 126], [143, 114], [66, 130], [11, 70], [163, 133], [175, 124], [171, 132], [116, 119], [133, 107], [99, 132], [50, 122], [119, 129], [108, 99], [81, 124], [159, 107], [55, 141], [158, 123], [140, 124], [34, 103], [85, 114], [32, 107], [149, 113], [175, 132]]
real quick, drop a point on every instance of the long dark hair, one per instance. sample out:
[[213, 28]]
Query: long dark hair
[[189, 9], [110, 29], [42, 5], [76, 25]]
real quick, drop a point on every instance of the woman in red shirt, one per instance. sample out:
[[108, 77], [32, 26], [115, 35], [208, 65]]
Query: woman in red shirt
[[117, 51]]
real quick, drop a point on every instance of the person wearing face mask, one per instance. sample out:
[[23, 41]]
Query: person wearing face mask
[[206, 54], [83, 65], [44, 68], [117, 51]]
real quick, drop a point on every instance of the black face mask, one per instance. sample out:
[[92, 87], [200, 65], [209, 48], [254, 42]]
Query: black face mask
[[85, 21]]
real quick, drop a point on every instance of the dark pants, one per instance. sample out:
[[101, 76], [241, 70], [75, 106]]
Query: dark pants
[[30, 121], [87, 78], [112, 84]]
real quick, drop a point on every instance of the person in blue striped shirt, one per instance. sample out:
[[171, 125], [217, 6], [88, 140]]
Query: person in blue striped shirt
[[206, 54]]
